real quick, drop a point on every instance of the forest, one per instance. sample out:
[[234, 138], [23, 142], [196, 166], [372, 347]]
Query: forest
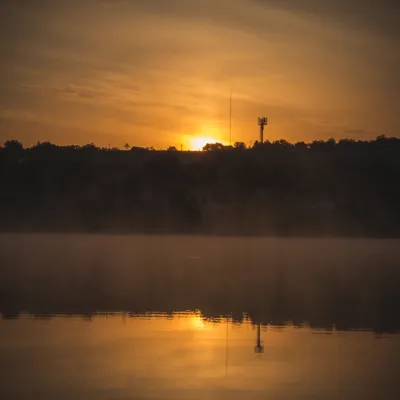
[[323, 188]]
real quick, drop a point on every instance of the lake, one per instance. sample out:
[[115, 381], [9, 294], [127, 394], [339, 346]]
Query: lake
[[191, 317]]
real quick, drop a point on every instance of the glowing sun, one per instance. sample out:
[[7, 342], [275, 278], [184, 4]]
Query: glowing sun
[[198, 142]]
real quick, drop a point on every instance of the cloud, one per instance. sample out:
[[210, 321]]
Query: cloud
[[146, 66], [15, 114], [85, 93], [377, 16]]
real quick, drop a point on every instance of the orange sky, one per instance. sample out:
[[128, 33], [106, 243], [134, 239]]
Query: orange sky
[[158, 73]]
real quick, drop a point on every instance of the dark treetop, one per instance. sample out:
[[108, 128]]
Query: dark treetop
[[346, 188]]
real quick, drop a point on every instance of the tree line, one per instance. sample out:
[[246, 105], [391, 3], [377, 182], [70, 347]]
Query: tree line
[[335, 188]]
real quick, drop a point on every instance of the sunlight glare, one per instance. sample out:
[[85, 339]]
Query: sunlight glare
[[198, 142], [197, 322]]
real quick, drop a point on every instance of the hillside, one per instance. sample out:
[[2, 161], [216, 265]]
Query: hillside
[[349, 188]]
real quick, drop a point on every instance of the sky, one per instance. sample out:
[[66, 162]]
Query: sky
[[159, 72]]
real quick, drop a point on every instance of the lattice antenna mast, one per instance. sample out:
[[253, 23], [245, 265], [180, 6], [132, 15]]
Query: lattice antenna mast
[[262, 121]]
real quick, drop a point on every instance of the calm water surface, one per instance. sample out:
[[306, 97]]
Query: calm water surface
[[106, 317]]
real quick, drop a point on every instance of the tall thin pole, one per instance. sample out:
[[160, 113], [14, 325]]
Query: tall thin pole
[[226, 347], [230, 117]]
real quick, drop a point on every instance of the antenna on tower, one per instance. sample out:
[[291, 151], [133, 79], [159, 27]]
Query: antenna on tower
[[230, 117], [262, 121]]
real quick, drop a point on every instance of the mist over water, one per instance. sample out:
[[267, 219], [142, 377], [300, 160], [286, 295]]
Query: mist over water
[[349, 283], [198, 317], [142, 257]]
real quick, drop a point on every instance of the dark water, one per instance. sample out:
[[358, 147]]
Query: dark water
[[133, 317]]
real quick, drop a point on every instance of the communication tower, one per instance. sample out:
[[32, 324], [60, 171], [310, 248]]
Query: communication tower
[[262, 121]]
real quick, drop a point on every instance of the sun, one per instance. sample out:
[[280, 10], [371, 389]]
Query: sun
[[198, 322], [198, 142]]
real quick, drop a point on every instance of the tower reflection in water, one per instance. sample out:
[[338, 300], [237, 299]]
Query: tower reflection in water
[[259, 347]]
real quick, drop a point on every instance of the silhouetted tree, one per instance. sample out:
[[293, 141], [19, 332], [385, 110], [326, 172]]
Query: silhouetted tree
[[331, 142], [282, 143], [14, 146], [301, 145], [213, 147], [272, 188], [45, 148], [239, 146], [89, 147], [139, 149]]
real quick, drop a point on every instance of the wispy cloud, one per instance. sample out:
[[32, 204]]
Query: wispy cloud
[[166, 66]]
